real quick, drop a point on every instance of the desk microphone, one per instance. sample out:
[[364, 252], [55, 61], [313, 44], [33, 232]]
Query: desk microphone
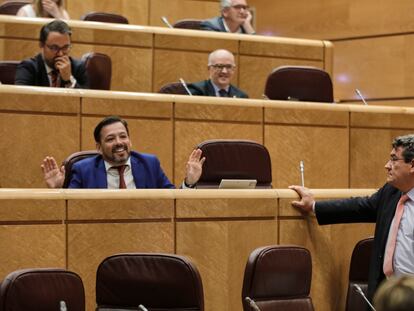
[[142, 308], [166, 22], [302, 172], [62, 304], [359, 291], [185, 86], [358, 92], [252, 304]]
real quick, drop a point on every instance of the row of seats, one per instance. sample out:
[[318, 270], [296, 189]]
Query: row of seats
[[275, 278]]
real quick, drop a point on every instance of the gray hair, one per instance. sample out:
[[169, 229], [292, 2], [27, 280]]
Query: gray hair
[[225, 4], [214, 53], [407, 143]]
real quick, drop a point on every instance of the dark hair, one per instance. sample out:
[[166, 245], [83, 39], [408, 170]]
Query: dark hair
[[57, 26], [407, 142], [395, 294], [107, 121]]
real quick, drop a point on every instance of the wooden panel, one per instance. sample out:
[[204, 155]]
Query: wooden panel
[[409, 102], [324, 151], [135, 10], [220, 251], [190, 134], [31, 246], [197, 41], [21, 210], [11, 49], [254, 84], [382, 120], [28, 139], [89, 244]]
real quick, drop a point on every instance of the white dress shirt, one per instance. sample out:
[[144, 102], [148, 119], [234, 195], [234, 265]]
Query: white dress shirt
[[112, 176]]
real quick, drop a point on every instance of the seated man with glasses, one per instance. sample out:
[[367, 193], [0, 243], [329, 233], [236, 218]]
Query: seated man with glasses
[[221, 68], [53, 66], [235, 17]]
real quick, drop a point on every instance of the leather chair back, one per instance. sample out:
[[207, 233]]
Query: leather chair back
[[278, 277], [99, 70], [12, 7], [358, 274], [235, 159], [8, 71], [173, 88], [157, 281], [104, 18], [188, 24], [299, 83], [72, 159], [42, 290]]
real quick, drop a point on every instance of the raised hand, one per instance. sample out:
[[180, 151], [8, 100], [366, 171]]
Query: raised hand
[[194, 167], [52, 174]]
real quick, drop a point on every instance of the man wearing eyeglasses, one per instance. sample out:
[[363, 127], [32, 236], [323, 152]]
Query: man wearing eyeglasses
[[221, 68], [53, 66], [391, 208], [235, 17]]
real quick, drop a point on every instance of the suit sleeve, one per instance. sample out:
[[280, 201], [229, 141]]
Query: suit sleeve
[[206, 25], [76, 180], [195, 90], [25, 73], [80, 74]]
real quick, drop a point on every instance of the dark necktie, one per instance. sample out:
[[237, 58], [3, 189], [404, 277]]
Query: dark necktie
[[223, 93], [121, 170], [53, 78]]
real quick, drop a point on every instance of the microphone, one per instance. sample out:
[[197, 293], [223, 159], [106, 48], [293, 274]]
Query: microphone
[[142, 308], [62, 304], [358, 92], [252, 304], [166, 22], [302, 173], [185, 86], [359, 291]]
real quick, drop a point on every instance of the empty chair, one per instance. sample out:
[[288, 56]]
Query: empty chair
[[188, 24], [8, 71], [157, 281], [12, 7], [358, 275], [235, 159], [104, 17], [173, 88], [72, 159], [41, 290], [299, 83], [99, 69], [278, 278]]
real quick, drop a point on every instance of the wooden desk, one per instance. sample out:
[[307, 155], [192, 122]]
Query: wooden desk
[[217, 229]]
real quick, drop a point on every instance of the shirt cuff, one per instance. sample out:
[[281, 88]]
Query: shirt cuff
[[71, 83], [185, 186]]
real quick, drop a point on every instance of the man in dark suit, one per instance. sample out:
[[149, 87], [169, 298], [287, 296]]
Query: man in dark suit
[[221, 68], [393, 252], [53, 66], [235, 17], [117, 167]]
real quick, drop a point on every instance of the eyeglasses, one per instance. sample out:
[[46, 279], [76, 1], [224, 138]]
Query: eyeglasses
[[395, 159], [239, 7], [220, 67], [55, 49]]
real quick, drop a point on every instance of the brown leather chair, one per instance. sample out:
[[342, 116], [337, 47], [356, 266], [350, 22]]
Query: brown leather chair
[[188, 24], [12, 7], [42, 290], [157, 281], [278, 277], [173, 88], [358, 274], [8, 71], [299, 83], [99, 69], [72, 159], [104, 18], [235, 159]]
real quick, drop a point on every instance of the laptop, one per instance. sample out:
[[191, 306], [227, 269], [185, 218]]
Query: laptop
[[238, 184]]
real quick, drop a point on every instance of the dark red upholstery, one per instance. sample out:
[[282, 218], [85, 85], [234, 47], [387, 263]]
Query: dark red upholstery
[[173, 88], [99, 69], [358, 274], [299, 83], [188, 24], [41, 290], [277, 278], [8, 71], [235, 159], [12, 7], [72, 159], [104, 18], [158, 281]]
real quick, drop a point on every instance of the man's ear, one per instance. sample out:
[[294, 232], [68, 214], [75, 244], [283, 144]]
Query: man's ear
[[98, 147], [224, 12]]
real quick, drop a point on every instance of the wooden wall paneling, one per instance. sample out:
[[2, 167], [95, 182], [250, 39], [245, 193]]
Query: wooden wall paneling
[[11, 49], [32, 210], [409, 102]]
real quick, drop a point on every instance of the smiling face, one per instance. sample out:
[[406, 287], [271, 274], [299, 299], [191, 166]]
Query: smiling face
[[221, 68], [114, 144]]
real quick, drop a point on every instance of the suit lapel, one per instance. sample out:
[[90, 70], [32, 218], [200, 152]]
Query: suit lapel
[[138, 173], [101, 178], [210, 91], [44, 79], [389, 211]]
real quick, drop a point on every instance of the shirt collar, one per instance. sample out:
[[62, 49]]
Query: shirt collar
[[411, 194], [108, 166], [228, 29], [48, 69], [216, 88]]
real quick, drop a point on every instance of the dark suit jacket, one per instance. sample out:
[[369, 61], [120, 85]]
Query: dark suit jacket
[[205, 88], [146, 169], [215, 24], [378, 208], [33, 72]]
